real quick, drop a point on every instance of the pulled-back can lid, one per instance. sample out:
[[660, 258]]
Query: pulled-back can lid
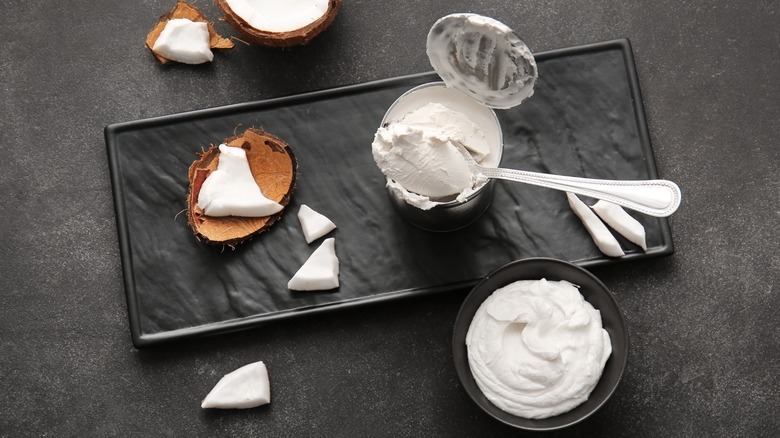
[[483, 58]]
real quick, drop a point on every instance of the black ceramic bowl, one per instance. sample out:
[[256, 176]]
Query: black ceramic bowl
[[594, 292]]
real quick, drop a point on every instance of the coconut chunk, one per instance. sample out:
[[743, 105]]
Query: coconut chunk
[[280, 23], [314, 224], [184, 41], [231, 190], [274, 169], [320, 271], [622, 222], [603, 239], [246, 387], [182, 10]]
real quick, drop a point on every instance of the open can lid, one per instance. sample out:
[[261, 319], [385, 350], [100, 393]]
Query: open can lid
[[483, 58]]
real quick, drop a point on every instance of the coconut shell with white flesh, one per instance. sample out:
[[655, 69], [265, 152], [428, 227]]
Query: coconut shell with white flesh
[[184, 10], [279, 23], [274, 169]]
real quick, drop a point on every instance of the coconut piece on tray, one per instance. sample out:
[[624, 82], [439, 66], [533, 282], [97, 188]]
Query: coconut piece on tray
[[622, 222], [314, 224], [603, 239], [320, 271], [183, 11]]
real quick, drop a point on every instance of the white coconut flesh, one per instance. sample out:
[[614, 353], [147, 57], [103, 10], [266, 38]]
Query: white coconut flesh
[[231, 190], [279, 16], [603, 239], [622, 222], [314, 224], [244, 388], [320, 271], [186, 41]]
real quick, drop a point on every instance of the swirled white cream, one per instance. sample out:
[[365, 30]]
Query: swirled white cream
[[536, 348], [421, 159]]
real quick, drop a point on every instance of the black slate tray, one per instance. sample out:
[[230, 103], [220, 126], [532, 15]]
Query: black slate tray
[[585, 119]]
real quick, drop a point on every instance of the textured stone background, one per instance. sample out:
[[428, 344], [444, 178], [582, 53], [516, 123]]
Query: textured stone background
[[705, 348]]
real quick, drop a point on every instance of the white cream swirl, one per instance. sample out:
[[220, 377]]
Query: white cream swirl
[[536, 348]]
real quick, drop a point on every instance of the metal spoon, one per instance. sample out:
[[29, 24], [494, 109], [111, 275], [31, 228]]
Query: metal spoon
[[657, 197]]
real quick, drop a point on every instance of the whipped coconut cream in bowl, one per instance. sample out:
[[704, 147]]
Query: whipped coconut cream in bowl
[[540, 344], [431, 133]]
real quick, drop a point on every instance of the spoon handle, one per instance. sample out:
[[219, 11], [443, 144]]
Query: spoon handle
[[657, 197]]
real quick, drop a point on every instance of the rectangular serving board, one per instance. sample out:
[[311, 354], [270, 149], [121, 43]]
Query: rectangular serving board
[[585, 119]]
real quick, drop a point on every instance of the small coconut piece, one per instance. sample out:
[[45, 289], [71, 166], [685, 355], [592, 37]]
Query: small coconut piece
[[186, 41], [244, 388], [603, 239], [314, 224], [185, 11], [320, 271], [278, 23], [273, 168], [622, 222]]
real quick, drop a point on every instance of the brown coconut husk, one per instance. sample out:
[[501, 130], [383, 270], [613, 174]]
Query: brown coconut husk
[[281, 39], [274, 168], [184, 10]]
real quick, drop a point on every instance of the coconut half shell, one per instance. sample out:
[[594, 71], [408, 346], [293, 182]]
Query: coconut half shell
[[295, 37], [273, 167], [184, 10]]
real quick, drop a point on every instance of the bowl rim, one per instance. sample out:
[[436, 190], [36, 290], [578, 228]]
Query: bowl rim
[[614, 322]]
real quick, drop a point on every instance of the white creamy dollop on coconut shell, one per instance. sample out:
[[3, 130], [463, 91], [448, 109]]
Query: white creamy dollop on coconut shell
[[231, 190]]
